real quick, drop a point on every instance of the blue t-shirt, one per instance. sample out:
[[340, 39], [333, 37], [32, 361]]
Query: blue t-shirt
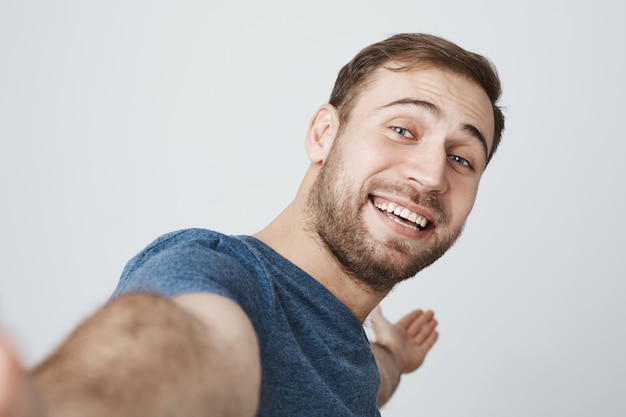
[[315, 356]]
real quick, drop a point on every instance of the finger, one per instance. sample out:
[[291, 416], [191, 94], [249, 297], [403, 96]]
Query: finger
[[425, 332], [406, 321], [416, 325], [429, 342]]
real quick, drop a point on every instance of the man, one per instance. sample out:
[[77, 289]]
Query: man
[[271, 324]]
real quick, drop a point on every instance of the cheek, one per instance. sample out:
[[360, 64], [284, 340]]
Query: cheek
[[461, 200], [382, 155], [365, 161]]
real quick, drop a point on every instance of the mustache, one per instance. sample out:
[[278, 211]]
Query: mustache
[[428, 200]]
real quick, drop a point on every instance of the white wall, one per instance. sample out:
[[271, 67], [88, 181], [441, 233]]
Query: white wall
[[122, 120]]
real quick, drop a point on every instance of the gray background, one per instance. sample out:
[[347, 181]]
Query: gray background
[[122, 120]]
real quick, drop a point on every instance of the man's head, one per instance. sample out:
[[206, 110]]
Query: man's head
[[397, 156], [408, 51]]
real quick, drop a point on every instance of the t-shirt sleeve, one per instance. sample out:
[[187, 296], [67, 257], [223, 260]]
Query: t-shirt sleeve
[[181, 263]]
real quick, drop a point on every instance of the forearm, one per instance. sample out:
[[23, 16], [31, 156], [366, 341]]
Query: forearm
[[389, 370], [143, 355]]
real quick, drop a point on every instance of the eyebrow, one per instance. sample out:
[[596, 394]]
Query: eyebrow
[[436, 111]]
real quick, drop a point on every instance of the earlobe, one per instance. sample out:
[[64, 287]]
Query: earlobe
[[321, 133]]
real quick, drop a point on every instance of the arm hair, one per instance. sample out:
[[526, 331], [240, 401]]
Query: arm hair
[[196, 355]]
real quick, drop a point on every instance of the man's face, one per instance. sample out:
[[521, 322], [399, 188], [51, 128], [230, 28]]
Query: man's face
[[400, 180]]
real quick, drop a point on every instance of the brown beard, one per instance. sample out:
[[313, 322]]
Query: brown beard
[[336, 218]]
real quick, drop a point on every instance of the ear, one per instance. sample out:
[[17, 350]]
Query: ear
[[321, 133]]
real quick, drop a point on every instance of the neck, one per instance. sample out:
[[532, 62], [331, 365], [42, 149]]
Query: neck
[[288, 235]]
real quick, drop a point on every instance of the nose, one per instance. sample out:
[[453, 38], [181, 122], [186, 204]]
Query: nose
[[425, 165]]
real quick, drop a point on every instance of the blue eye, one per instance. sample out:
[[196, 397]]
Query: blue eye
[[460, 160], [402, 132]]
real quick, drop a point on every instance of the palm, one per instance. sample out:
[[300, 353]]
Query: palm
[[409, 339]]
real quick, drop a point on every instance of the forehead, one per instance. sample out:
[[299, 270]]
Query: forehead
[[460, 100]]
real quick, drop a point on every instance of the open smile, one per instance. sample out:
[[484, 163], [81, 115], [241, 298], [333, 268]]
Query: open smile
[[403, 215]]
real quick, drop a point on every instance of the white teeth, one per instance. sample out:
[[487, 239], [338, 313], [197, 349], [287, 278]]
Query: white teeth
[[402, 212]]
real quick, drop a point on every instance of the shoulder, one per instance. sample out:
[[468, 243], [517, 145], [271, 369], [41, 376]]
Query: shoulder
[[201, 261], [184, 261], [182, 241], [180, 238]]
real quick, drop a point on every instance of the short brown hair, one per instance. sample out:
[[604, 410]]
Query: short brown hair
[[408, 51]]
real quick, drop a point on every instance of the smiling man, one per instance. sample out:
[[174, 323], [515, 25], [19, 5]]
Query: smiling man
[[394, 186], [271, 324]]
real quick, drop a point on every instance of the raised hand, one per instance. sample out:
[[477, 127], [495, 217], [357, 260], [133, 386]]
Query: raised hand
[[409, 339]]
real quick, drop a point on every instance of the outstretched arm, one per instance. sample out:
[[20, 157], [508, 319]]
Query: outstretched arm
[[400, 348], [194, 355]]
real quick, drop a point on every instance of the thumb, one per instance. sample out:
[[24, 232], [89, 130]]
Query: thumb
[[16, 398], [11, 377], [379, 322], [376, 315]]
